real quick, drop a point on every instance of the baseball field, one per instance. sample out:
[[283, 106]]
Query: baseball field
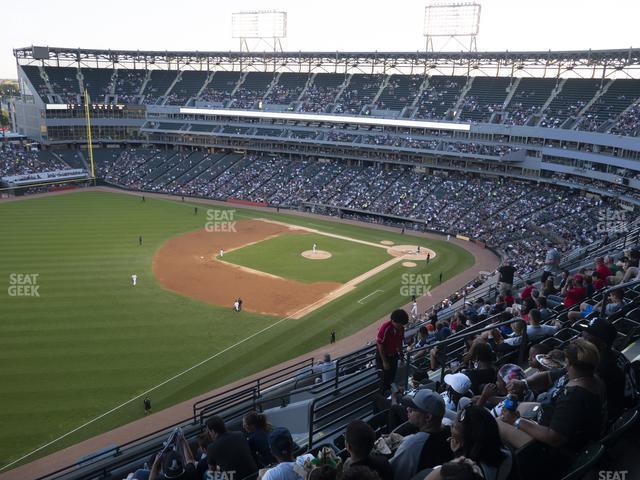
[[80, 344]]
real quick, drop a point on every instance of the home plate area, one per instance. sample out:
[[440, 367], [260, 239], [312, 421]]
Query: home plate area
[[411, 252]]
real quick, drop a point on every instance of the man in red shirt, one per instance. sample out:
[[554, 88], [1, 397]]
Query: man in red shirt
[[526, 292], [509, 300], [602, 269], [389, 346], [574, 291], [597, 282]]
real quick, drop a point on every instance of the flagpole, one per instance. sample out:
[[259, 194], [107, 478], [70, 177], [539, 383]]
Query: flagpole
[[90, 144]]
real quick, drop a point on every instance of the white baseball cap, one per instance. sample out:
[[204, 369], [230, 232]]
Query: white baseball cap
[[459, 382]]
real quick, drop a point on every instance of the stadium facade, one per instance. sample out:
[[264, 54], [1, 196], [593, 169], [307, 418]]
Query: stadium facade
[[567, 118]]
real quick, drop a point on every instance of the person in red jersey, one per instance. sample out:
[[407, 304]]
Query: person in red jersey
[[389, 346], [603, 270]]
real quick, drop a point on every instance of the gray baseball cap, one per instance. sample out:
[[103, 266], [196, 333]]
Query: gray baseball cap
[[425, 401]]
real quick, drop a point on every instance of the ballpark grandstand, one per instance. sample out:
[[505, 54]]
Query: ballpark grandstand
[[525, 162]]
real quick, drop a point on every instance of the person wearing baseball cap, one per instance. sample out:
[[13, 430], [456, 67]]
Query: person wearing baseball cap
[[573, 417], [429, 446], [282, 447], [458, 387], [622, 391], [389, 346]]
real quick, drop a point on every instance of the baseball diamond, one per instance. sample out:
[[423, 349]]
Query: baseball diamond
[[183, 291], [293, 262]]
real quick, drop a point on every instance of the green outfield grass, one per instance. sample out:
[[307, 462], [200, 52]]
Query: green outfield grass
[[281, 256], [90, 341]]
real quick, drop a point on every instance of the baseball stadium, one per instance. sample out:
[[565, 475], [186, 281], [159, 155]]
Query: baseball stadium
[[310, 265]]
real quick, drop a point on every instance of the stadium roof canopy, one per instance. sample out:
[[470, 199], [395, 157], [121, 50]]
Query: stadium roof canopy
[[550, 63]]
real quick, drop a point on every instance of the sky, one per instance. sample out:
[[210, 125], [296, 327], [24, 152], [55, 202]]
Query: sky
[[325, 25]]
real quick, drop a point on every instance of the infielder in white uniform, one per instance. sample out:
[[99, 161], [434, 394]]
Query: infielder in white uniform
[[414, 309], [221, 253], [134, 279], [314, 248]]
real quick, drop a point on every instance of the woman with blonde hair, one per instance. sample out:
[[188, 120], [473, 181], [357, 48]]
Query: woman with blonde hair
[[574, 413]]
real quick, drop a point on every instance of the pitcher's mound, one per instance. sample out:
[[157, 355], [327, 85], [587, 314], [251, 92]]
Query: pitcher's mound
[[317, 255], [410, 252], [387, 242], [409, 264]]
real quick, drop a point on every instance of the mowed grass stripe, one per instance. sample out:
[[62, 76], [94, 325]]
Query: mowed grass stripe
[[92, 341]]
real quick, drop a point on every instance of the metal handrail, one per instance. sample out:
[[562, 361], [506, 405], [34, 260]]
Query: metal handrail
[[116, 450], [259, 384], [460, 336], [334, 397], [228, 403], [569, 263]]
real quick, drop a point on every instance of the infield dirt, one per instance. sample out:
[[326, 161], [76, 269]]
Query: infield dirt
[[187, 265], [190, 265]]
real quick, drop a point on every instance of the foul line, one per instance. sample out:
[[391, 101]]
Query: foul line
[[292, 316], [372, 293], [156, 387]]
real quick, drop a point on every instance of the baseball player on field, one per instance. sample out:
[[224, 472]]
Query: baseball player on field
[[134, 279], [221, 253], [314, 248]]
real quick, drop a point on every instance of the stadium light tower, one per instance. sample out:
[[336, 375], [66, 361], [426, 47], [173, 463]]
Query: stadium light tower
[[453, 21], [265, 27]]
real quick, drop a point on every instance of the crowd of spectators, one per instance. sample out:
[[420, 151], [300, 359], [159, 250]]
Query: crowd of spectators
[[479, 149], [23, 161], [517, 217], [473, 106], [628, 123], [317, 98], [409, 141], [353, 99], [283, 94], [128, 169], [217, 96], [600, 184], [128, 85], [519, 113], [507, 389], [246, 99], [438, 98]]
